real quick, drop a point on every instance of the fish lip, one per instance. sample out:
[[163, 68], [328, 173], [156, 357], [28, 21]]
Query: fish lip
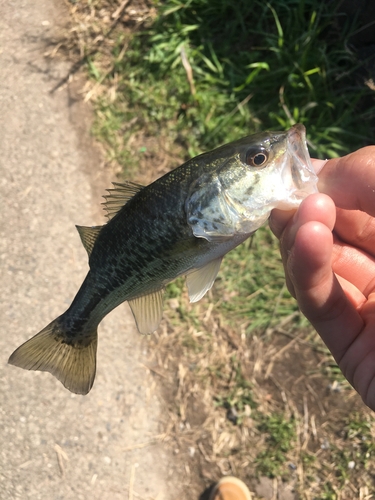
[[303, 174], [297, 146]]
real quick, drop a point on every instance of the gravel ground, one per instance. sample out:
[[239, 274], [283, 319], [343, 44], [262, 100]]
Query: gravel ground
[[53, 444]]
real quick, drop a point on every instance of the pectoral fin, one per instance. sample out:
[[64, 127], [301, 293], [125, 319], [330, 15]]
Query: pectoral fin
[[148, 311], [201, 280]]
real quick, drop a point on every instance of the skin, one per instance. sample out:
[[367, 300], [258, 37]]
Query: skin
[[328, 252]]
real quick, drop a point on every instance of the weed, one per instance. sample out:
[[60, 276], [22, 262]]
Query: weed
[[328, 493], [174, 289], [281, 436], [238, 396], [341, 460], [360, 431], [333, 372], [251, 284]]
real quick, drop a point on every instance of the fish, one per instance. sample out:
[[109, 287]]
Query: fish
[[181, 224]]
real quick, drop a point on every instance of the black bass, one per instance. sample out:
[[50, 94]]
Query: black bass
[[181, 224]]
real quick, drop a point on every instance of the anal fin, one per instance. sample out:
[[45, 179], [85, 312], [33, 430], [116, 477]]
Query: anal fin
[[148, 311], [202, 279]]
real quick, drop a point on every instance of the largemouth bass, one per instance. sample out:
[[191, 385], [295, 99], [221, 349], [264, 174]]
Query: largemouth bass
[[181, 224]]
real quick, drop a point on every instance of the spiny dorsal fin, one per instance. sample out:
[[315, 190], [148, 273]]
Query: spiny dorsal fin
[[88, 236], [148, 311], [119, 196], [202, 279]]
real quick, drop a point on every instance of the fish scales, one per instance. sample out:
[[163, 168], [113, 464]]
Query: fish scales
[[144, 235], [182, 224]]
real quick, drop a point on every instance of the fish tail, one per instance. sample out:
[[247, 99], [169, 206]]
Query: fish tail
[[53, 350]]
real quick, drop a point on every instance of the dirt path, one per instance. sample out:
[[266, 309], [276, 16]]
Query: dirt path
[[55, 445]]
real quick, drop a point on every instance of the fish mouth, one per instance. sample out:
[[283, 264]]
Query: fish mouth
[[302, 179]]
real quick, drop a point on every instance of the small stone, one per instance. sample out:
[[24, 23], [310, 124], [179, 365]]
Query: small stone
[[174, 304], [325, 445], [247, 410]]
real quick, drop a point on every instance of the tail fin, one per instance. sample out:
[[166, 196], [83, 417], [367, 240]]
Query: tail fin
[[51, 350]]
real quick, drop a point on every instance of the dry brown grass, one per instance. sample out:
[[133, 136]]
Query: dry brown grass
[[202, 363]]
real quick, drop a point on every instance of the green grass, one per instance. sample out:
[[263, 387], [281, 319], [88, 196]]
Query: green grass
[[251, 284], [280, 439], [238, 395], [255, 66], [360, 432]]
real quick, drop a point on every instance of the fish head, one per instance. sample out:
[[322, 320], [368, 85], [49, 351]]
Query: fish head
[[249, 178]]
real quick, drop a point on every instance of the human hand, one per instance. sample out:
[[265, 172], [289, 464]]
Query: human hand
[[328, 252]]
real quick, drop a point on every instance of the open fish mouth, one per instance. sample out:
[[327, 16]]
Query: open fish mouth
[[299, 177]]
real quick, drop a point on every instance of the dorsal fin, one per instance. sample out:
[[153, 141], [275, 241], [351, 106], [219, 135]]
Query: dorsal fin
[[88, 236], [119, 196]]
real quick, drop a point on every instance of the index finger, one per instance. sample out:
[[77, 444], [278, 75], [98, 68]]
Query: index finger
[[350, 180]]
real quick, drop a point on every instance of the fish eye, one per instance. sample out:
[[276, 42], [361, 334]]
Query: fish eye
[[256, 157]]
